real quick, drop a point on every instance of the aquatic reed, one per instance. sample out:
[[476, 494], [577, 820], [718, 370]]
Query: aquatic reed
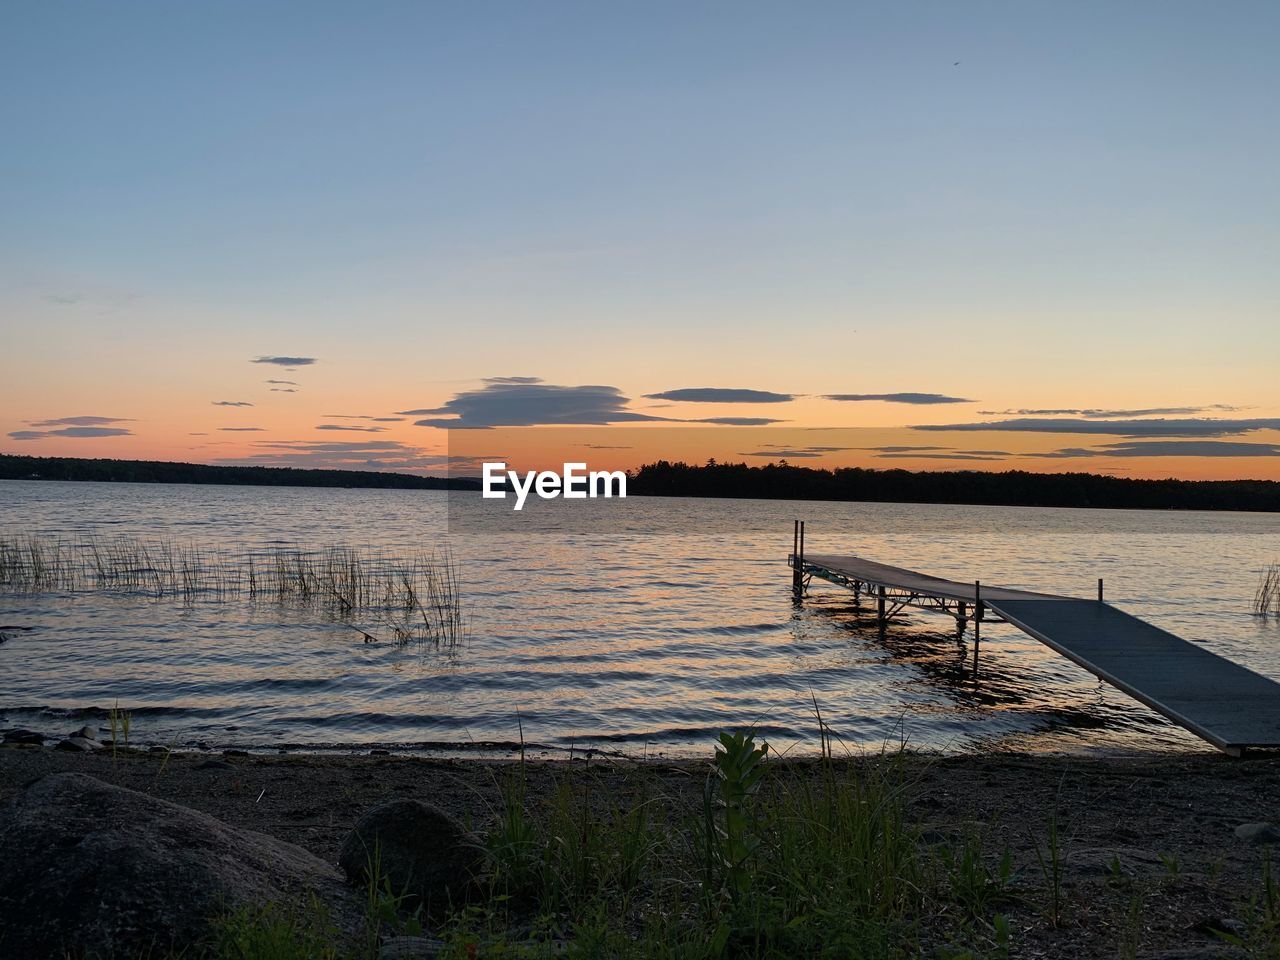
[[407, 599], [1267, 600]]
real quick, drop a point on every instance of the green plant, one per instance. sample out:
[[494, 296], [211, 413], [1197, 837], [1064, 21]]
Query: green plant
[[971, 884], [386, 910], [731, 786], [1049, 856], [275, 932], [120, 721]]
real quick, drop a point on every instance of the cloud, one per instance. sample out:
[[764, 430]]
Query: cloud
[[283, 390], [901, 449], [78, 421], [352, 427], [775, 451], [603, 446], [781, 454], [720, 395], [934, 456], [738, 421], [241, 429], [82, 433], [1102, 414], [380, 454], [286, 361], [287, 383], [232, 403], [1167, 448], [513, 380], [358, 416], [502, 403], [1191, 427], [914, 398]]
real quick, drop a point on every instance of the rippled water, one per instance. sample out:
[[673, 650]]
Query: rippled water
[[647, 633]]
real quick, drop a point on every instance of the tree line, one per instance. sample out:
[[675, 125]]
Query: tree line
[[13, 467], [784, 481], [773, 481]]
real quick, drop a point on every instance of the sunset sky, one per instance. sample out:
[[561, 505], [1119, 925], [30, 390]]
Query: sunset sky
[[967, 235]]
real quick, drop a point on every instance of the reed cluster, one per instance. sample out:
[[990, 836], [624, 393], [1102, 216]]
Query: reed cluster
[[407, 599], [1266, 601]]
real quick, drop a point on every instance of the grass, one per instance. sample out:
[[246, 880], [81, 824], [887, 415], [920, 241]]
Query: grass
[[402, 599], [773, 858], [1266, 602]]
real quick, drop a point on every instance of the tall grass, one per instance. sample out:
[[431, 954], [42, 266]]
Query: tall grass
[[1267, 600], [408, 599]]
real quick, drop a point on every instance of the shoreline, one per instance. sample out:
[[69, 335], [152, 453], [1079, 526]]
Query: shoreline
[[1161, 825]]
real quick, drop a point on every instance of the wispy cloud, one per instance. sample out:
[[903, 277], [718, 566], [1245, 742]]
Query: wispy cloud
[[286, 383], [286, 361], [283, 390], [80, 433], [776, 451], [935, 456], [242, 429], [925, 399], [350, 426], [380, 454], [1187, 427], [516, 402], [232, 403], [901, 449], [1104, 414], [738, 421], [720, 395], [78, 421], [359, 416], [1167, 448]]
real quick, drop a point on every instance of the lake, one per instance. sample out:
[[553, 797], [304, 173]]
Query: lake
[[646, 630]]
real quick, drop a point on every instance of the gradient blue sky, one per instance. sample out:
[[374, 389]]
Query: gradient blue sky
[[807, 198]]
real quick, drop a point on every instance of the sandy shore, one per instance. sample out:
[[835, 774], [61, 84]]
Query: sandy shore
[[1168, 820]]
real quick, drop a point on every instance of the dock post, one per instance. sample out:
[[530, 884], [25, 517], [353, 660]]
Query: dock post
[[795, 558], [977, 622], [1099, 589], [880, 617]]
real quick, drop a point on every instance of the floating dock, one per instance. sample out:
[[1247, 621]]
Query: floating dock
[[1226, 704]]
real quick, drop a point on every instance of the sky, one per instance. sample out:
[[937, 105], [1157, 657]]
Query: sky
[[322, 234]]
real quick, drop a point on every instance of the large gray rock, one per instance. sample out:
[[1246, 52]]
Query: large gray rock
[[424, 853], [91, 869]]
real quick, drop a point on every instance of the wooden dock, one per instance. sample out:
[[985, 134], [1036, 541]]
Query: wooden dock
[[1231, 707]]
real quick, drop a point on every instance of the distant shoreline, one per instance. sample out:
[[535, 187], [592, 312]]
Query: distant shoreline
[[728, 481]]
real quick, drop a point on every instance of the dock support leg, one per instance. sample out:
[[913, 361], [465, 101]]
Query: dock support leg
[[797, 561], [880, 617], [978, 608]]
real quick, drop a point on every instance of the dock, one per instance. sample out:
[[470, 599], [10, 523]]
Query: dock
[[1230, 706]]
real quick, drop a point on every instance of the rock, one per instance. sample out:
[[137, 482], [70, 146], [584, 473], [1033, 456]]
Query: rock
[[379, 753], [410, 948], [23, 736], [235, 753], [420, 849], [77, 742], [87, 732], [97, 870], [1258, 833]]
